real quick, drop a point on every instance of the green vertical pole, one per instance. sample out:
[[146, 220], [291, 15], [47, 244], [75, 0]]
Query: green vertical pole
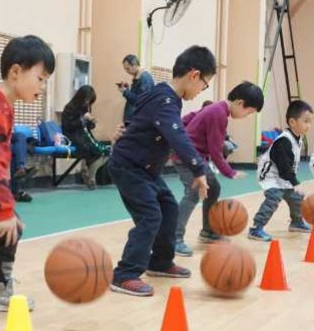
[[140, 36]]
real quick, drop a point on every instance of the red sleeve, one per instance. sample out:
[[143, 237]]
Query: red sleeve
[[216, 132], [7, 202]]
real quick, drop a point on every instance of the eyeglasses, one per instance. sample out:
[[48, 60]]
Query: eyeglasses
[[206, 86]]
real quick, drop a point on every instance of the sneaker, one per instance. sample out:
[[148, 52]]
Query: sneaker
[[92, 185], [206, 237], [172, 272], [22, 196], [182, 249], [259, 234], [134, 287], [300, 226], [5, 294], [85, 176]]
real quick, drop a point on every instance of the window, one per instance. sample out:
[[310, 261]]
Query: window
[[161, 74]]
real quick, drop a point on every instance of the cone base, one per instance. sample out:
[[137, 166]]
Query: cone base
[[275, 289]]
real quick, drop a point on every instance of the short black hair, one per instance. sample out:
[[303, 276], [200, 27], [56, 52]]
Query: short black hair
[[195, 57], [26, 51], [207, 103], [251, 94], [296, 108], [131, 60], [83, 94]]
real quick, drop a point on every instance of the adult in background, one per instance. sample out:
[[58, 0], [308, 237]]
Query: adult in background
[[142, 82], [77, 125]]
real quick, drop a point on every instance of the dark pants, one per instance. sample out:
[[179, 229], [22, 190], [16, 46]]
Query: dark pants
[[7, 254], [19, 154], [191, 198], [273, 197], [154, 211]]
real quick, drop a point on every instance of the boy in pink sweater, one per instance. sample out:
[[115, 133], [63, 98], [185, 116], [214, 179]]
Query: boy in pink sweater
[[207, 129]]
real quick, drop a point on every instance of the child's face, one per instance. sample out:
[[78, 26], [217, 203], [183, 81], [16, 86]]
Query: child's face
[[29, 84], [194, 84], [239, 111], [301, 125]]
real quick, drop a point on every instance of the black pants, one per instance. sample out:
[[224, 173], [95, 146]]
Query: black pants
[[7, 254], [154, 211]]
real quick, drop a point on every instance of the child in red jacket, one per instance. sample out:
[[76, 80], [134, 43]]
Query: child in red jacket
[[26, 64]]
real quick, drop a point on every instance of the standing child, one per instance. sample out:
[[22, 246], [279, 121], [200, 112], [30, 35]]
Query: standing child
[[207, 129], [277, 173], [136, 164], [26, 64]]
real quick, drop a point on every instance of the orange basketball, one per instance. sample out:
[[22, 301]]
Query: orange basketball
[[227, 268], [78, 270], [228, 217], [308, 209]]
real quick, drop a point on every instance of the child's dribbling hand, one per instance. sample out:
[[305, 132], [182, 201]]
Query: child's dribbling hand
[[239, 175], [299, 190], [200, 183], [9, 229]]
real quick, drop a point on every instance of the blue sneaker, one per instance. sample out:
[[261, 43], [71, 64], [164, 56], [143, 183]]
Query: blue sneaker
[[300, 226], [259, 234], [206, 237], [182, 249]]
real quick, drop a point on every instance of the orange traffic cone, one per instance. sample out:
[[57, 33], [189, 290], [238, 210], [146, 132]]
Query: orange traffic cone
[[274, 278], [309, 256], [175, 317]]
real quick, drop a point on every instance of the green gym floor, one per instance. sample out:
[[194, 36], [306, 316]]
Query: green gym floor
[[74, 207]]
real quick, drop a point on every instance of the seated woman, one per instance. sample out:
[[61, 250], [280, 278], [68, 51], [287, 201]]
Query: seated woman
[[77, 124]]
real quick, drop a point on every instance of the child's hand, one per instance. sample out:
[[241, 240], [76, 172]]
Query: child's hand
[[9, 228], [240, 175], [119, 133], [200, 183], [299, 190]]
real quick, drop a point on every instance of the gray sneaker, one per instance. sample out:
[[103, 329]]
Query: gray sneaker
[[182, 249], [210, 237], [6, 291]]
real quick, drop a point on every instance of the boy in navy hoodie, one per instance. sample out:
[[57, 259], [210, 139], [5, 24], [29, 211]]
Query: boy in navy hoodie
[[136, 165]]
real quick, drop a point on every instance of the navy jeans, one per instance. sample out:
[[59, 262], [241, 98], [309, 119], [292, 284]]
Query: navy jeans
[[273, 197], [154, 211], [190, 199], [19, 154]]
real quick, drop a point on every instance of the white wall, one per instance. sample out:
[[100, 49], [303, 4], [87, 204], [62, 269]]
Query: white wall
[[197, 26], [56, 21]]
